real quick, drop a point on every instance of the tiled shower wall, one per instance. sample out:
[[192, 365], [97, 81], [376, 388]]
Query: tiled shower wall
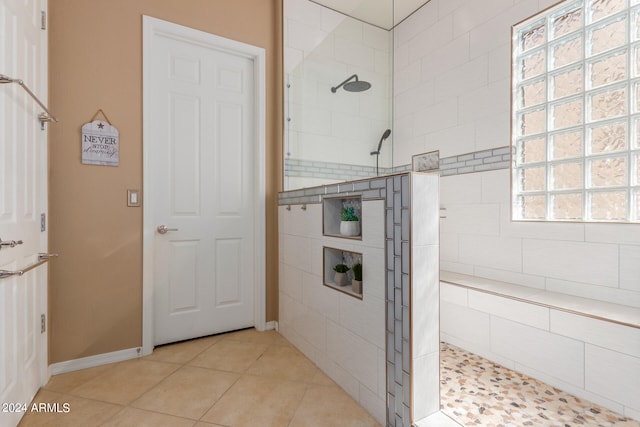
[[452, 94], [322, 49], [400, 221]]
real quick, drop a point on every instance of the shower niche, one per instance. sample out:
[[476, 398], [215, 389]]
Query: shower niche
[[333, 257], [342, 217]]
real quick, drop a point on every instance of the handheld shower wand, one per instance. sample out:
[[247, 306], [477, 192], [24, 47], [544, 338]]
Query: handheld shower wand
[[385, 135]]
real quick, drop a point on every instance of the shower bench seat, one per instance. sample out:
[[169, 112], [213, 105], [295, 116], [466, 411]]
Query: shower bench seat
[[586, 347]]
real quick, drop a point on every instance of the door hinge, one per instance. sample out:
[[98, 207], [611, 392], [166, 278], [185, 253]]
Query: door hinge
[[43, 323], [43, 20], [43, 222]]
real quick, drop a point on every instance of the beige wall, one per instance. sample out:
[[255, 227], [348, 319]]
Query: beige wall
[[95, 293]]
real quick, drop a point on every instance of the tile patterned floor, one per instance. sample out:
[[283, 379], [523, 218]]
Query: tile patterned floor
[[240, 379], [248, 378], [477, 392]]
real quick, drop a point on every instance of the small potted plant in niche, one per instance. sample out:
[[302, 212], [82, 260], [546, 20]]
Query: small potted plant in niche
[[350, 224], [340, 278], [356, 283]]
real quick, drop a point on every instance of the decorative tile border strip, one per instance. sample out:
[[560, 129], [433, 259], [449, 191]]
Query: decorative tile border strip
[[328, 170], [479, 161]]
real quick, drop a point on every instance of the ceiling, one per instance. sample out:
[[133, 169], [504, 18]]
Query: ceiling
[[381, 13]]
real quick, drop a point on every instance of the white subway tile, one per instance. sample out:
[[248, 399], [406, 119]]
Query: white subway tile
[[500, 62], [446, 57], [296, 251], [465, 324], [537, 282], [501, 253], [558, 356], [423, 18], [291, 281], [613, 233], [497, 29], [364, 317], [373, 274], [354, 354], [446, 7], [311, 325], [306, 12], [382, 374], [593, 263], [431, 38], [375, 405], [496, 187], [452, 141], [425, 288], [462, 79], [493, 132], [303, 37], [630, 267], [355, 54], [437, 117], [462, 189], [426, 386], [341, 376], [456, 267], [453, 294], [407, 77], [472, 219], [448, 246], [415, 98], [614, 375], [539, 230], [373, 220], [425, 209], [350, 30], [320, 298], [521, 312], [609, 335]]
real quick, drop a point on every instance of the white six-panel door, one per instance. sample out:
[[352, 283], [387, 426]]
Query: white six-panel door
[[200, 158], [23, 198]]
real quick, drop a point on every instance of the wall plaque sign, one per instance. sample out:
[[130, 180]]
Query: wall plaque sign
[[100, 142]]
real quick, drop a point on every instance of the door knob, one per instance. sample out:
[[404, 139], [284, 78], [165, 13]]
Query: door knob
[[162, 229]]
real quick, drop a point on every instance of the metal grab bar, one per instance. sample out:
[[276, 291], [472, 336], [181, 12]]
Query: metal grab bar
[[42, 258], [43, 117]]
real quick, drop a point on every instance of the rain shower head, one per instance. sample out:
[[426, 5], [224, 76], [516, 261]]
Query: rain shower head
[[352, 86]]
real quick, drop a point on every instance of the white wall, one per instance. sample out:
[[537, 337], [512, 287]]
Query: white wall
[[452, 93], [322, 48]]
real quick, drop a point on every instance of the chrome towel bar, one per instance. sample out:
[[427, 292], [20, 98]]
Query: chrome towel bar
[[42, 258], [43, 117]]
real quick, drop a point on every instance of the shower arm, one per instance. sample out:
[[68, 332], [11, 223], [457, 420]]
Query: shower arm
[[334, 89]]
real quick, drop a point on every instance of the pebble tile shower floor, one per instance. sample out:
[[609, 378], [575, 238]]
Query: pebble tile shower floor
[[477, 392]]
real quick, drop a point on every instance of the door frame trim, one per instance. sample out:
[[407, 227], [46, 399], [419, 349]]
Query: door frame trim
[[151, 27]]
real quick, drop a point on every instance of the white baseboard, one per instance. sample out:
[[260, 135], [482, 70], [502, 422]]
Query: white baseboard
[[273, 325], [97, 360]]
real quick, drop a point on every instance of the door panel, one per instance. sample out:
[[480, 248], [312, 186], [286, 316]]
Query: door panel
[[202, 118], [23, 197]]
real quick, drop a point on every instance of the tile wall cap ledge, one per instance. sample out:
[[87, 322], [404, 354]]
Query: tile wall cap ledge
[[605, 311]]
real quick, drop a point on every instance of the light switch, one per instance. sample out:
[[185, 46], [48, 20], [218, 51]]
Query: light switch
[[133, 198]]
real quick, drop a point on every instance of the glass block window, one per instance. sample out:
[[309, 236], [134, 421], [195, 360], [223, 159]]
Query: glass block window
[[576, 113]]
